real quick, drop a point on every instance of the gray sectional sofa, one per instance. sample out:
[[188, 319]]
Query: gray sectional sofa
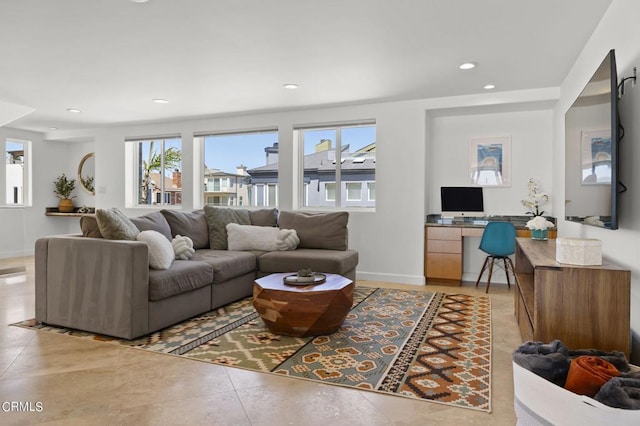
[[106, 286]]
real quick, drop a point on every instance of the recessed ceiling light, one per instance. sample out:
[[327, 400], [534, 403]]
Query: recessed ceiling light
[[53, 128], [291, 86], [139, 1], [160, 101], [73, 110], [467, 65], [490, 86]]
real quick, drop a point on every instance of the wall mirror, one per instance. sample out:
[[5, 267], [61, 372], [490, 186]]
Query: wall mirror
[[86, 173]]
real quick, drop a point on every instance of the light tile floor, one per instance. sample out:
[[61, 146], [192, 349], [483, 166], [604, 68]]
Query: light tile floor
[[81, 383]]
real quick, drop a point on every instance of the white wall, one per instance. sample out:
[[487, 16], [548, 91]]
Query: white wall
[[617, 30], [20, 226], [531, 135]]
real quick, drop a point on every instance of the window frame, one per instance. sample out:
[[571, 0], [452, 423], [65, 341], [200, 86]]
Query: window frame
[[132, 178], [330, 186], [254, 192], [369, 185], [302, 186], [346, 190]]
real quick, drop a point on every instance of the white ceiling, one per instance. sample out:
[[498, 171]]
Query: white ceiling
[[110, 58]]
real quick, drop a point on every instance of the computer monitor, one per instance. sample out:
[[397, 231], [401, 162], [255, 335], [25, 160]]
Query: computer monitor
[[462, 201]]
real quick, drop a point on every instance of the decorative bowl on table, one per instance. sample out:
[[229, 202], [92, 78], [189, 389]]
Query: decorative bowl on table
[[314, 278]]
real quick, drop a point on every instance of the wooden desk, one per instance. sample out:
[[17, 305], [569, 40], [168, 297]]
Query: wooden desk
[[443, 250], [583, 306]]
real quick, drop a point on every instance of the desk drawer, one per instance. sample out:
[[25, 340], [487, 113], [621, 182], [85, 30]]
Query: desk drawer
[[444, 233], [444, 246], [444, 265]]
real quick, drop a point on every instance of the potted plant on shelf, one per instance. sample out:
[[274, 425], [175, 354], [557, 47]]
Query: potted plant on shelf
[[64, 188]]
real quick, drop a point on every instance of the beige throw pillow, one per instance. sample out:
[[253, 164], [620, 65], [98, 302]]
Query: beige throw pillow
[[263, 238], [114, 225]]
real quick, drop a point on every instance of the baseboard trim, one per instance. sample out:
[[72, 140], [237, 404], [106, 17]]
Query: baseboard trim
[[391, 278], [13, 270]]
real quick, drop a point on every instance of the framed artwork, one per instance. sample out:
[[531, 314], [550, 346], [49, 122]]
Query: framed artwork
[[596, 157], [490, 161]]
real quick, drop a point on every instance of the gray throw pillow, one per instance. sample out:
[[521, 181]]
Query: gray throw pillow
[[192, 224], [217, 220], [114, 225], [154, 221], [264, 217], [89, 227], [318, 230]]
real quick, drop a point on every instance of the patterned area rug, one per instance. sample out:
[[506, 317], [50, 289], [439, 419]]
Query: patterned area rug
[[430, 346]]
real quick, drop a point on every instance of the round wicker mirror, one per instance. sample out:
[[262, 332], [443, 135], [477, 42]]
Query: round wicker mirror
[[86, 173]]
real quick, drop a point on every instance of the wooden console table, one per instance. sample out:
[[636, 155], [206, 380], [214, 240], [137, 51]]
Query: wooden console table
[[583, 306]]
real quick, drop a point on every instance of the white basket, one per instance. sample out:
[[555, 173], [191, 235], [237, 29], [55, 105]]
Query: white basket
[[579, 251], [540, 402]]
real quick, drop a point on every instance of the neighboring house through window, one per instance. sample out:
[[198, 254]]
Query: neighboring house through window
[[17, 173], [339, 165], [240, 169]]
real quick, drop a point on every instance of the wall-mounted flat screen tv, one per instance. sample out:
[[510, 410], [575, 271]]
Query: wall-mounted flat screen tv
[[461, 201], [591, 150]]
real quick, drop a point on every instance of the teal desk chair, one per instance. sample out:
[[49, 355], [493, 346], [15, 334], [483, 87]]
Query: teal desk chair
[[498, 241]]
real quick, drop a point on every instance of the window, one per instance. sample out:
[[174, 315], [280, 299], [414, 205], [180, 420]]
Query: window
[[330, 191], [240, 169], [354, 191], [336, 161], [158, 177], [17, 173], [371, 191]]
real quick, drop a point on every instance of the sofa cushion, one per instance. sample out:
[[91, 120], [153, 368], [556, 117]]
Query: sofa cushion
[[183, 276], [161, 253], [319, 260], [318, 230], [226, 264], [217, 220], [154, 221], [89, 227], [264, 217], [114, 225], [189, 224]]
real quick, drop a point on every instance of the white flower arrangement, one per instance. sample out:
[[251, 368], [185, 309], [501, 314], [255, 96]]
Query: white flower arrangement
[[539, 222], [535, 199]]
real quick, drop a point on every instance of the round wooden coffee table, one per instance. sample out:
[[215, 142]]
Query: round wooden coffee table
[[301, 311]]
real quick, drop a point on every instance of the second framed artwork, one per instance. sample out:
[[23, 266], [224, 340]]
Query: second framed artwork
[[490, 161]]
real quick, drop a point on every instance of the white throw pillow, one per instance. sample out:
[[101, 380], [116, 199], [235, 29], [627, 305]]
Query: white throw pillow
[[160, 249], [265, 238]]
